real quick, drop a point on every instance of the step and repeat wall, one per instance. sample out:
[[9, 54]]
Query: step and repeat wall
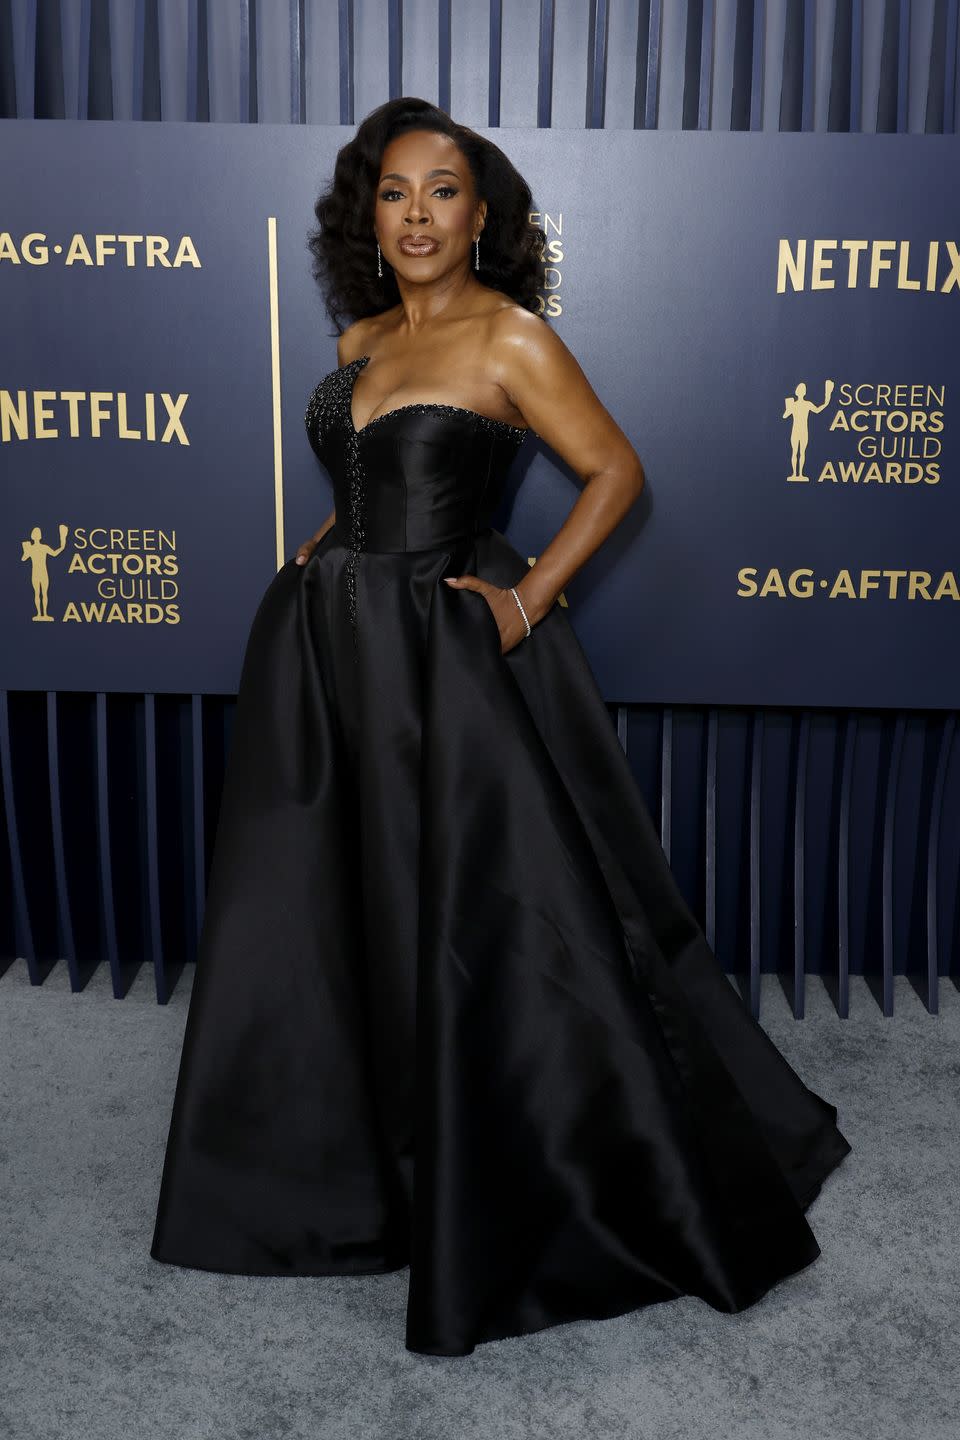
[[770, 318]]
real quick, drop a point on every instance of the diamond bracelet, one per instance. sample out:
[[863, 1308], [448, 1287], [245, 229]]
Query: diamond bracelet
[[522, 611]]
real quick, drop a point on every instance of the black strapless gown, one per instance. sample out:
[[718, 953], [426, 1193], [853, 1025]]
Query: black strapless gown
[[450, 1008]]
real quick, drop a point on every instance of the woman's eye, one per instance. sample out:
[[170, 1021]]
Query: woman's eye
[[450, 190]]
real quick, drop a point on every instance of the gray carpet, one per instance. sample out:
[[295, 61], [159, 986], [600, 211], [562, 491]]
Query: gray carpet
[[99, 1342]]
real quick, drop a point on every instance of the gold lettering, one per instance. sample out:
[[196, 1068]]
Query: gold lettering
[[157, 247], [186, 254], [854, 250], [77, 251], [792, 265], [15, 418], [903, 283], [124, 431], [818, 281], [42, 413]]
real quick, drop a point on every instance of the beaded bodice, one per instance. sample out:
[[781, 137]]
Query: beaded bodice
[[417, 477]]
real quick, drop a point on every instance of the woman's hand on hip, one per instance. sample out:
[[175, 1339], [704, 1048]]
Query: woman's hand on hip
[[504, 608]]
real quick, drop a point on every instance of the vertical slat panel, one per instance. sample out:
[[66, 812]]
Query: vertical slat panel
[[755, 844], [623, 21], [840, 105], [125, 801], [545, 65], [640, 65], [198, 63], [759, 58], [809, 63], [690, 104], [947, 732], [799, 889], [105, 849], [148, 104], [249, 108], [706, 66], [889, 840], [741, 91], [30, 791], [83, 60], [820, 56], [394, 49], [180, 837], [8, 65], [346, 51], [597, 66], [64, 918], [151, 821], [199, 813], [921, 73], [710, 831], [173, 37], [48, 91], [848, 754], [22, 928], [73, 788], [444, 55], [937, 64], [193, 61], [792, 68], [903, 68], [96, 62], [951, 902], [887, 99], [24, 49], [796, 92], [494, 51], [780, 99], [224, 26], [856, 66], [297, 86], [138, 42], [952, 63], [8, 935], [654, 52]]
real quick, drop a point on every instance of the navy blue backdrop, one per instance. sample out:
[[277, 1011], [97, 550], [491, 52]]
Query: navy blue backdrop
[[780, 354]]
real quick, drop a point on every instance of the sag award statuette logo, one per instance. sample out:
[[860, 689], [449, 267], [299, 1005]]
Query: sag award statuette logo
[[798, 409], [36, 552], [112, 575], [877, 432]]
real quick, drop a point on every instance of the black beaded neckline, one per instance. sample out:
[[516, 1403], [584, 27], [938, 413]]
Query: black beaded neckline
[[422, 407]]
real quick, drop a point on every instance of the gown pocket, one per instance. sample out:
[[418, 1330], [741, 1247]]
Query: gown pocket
[[493, 630]]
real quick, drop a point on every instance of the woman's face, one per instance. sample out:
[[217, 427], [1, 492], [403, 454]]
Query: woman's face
[[427, 213]]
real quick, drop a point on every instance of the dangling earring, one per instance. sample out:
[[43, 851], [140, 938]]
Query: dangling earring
[[379, 265], [476, 253]]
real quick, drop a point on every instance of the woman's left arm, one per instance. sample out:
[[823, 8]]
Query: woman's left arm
[[548, 387]]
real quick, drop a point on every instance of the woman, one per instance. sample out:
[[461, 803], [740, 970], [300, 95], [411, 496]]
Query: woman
[[451, 1009]]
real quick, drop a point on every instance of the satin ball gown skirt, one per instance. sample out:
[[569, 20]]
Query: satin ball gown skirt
[[450, 1009]]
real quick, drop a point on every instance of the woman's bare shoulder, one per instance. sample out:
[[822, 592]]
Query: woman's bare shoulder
[[513, 328], [360, 338]]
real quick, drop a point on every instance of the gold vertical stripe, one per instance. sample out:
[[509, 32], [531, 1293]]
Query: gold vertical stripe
[[275, 376]]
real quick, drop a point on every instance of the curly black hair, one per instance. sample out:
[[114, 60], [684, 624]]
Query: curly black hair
[[343, 246]]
